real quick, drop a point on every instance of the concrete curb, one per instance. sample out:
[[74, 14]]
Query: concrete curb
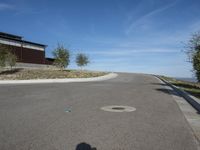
[[195, 102], [101, 78]]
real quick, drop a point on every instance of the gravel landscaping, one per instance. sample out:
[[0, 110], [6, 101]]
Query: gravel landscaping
[[26, 74]]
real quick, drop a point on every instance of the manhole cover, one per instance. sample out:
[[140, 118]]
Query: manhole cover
[[116, 108], [67, 110]]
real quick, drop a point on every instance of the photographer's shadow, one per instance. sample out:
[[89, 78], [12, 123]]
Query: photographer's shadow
[[85, 146]]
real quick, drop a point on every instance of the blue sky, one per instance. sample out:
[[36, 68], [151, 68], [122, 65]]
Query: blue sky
[[145, 36]]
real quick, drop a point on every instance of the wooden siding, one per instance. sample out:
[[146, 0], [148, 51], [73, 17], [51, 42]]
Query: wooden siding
[[27, 55]]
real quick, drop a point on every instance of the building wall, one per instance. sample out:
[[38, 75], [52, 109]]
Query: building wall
[[49, 62], [27, 55], [34, 66], [21, 44]]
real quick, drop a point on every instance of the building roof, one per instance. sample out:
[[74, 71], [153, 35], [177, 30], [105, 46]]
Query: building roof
[[18, 38], [12, 36]]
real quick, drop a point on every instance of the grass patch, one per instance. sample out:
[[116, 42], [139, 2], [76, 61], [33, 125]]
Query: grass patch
[[190, 87], [26, 74]]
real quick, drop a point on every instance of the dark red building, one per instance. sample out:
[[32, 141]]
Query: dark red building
[[26, 51]]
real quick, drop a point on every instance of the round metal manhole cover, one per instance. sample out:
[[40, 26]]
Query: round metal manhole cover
[[117, 108]]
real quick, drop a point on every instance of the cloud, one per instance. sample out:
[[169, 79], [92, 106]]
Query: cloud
[[4, 6], [160, 43], [29, 11], [131, 52], [146, 16]]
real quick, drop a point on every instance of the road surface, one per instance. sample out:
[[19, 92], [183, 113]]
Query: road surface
[[68, 116]]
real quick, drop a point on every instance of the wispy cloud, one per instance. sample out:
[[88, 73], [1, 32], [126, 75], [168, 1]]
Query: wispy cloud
[[130, 52], [146, 16], [4, 6], [29, 11], [159, 43]]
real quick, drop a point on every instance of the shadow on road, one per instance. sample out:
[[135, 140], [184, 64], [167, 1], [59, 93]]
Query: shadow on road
[[85, 146], [162, 84], [168, 91]]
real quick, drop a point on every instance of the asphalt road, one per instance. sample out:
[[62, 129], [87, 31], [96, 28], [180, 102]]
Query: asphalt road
[[36, 117]]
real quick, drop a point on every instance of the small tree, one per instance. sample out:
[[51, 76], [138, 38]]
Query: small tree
[[11, 59], [193, 52], [3, 55], [62, 57], [6, 57], [82, 60]]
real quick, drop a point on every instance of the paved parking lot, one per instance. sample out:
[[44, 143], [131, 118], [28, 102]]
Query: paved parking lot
[[68, 116]]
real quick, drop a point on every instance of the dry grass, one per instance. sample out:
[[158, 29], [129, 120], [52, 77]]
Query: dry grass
[[26, 74], [190, 87]]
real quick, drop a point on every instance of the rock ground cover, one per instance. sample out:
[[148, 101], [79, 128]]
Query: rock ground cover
[[26, 74]]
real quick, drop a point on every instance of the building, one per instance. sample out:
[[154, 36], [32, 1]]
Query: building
[[28, 53]]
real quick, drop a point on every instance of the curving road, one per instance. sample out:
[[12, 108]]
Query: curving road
[[68, 116]]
